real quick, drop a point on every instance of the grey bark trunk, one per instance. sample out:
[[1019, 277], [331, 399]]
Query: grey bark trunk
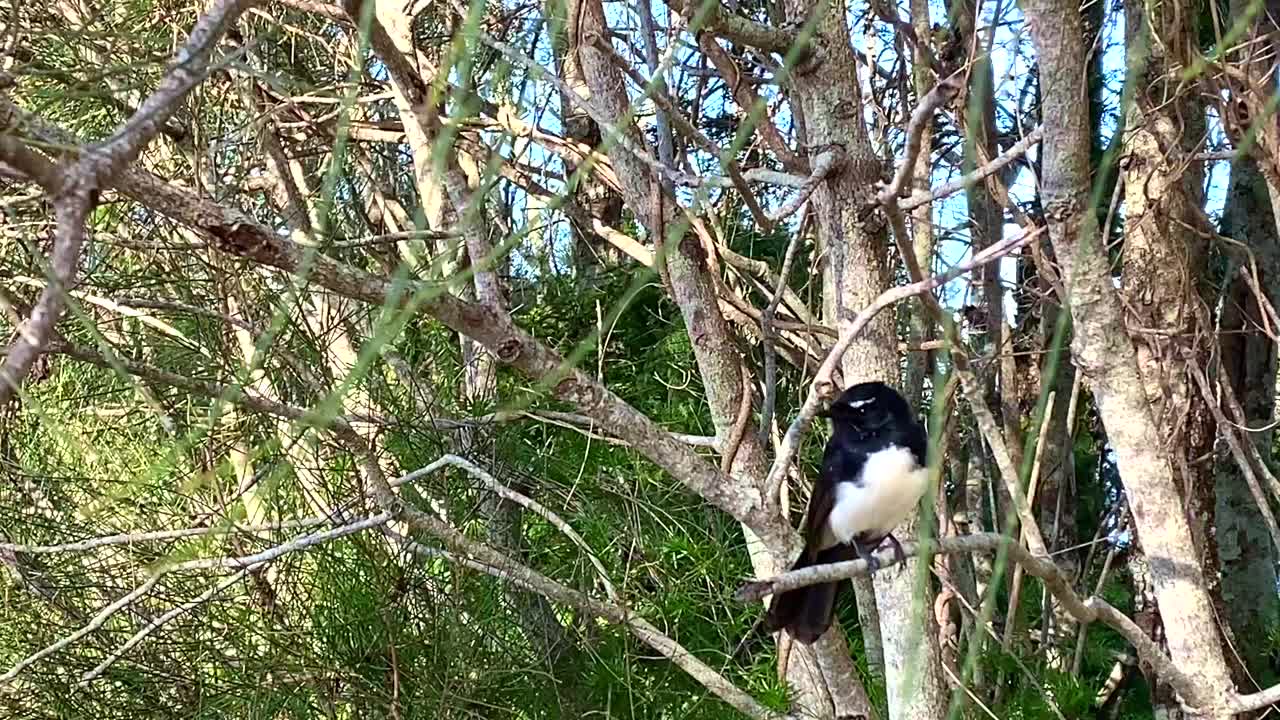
[[1107, 357], [1246, 552], [829, 100], [822, 676]]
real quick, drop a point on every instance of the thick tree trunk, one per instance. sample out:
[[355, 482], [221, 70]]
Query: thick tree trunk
[[822, 675], [829, 99], [1108, 359], [1164, 257], [1246, 551]]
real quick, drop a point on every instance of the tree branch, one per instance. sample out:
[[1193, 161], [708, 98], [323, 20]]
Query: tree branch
[[77, 192], [720, 21], [235, 233], [1015, 152], [920, 118], [488, 560], [1054, 579]]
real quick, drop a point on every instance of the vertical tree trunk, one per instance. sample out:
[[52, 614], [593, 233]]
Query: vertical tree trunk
[[919, 363], [829, 99], [1165, 251], [1246, 552], [822, 675], [589, 197], [1104, 353]]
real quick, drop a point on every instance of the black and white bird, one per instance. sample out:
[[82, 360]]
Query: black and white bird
[[873, 476]]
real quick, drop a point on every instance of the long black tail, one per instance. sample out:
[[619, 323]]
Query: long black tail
[[806, 613]]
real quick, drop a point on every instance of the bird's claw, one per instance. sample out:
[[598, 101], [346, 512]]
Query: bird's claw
[[899, 555]]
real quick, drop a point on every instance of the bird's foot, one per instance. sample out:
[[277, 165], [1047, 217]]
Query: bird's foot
[[899, 555], [873, 563]]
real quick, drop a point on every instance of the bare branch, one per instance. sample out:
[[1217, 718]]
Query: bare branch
[[158, 623], [1055, 581], [1015, 152], [96, 622], [71, 207], [665, 105], [489, 560], [190, 63], [534, 506], [745, 96], [244, 563], [826, 161], [1237, 449], [920, 117], [77, 192]]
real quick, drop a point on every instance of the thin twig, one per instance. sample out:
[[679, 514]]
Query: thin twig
[[533, 506], [245, 562], [158, 623], [1237, 412], [96, 622], [1016, 151], [668, 109], [1082, 634], [1015, 585], [491, 561]]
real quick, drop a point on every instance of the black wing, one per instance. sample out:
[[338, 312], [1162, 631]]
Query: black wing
[[917, 441], [840, 463]]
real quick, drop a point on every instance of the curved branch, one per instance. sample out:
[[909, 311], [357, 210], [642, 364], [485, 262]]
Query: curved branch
[[1055, 581]]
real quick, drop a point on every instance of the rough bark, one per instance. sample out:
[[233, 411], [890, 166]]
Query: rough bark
[[1246, 553], [1164, 256], [835, 687], [1104, 353], [854, 272], [589, 195]]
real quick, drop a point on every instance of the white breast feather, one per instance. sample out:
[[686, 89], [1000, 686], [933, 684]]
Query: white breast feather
[[891, 485]]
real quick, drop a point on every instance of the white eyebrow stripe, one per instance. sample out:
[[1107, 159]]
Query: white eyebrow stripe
[[860, 403]]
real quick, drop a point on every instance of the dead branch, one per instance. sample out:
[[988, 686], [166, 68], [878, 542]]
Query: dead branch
[[1015, 152], [666, 105], [823, 165], [746, 97]]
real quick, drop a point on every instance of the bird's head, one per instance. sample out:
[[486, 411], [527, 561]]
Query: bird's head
[[868, 407]]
